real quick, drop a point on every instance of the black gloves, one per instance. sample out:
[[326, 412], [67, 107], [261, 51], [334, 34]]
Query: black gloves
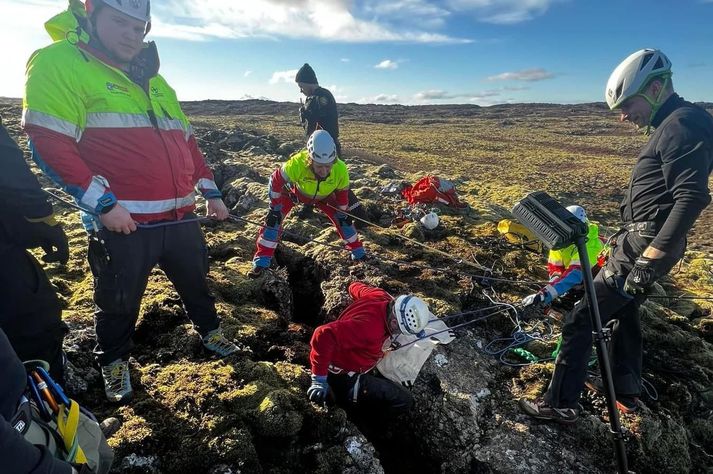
[[641, 277], [46, 233]]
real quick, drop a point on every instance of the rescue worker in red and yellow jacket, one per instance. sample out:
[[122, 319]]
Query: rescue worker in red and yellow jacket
[[108, 128], [346, 350], [312, 176], [564, 267]]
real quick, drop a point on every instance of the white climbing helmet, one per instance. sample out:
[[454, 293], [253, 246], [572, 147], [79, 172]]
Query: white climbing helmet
[[634, 73], [411, 313], [578, 212], [139, 9], [430, 221], [321, 147]]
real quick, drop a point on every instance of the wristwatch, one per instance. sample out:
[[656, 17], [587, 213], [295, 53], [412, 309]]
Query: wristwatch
[[105, 203]]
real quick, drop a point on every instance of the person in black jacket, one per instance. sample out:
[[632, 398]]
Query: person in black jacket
[[320, 109], [30, 312], [18, 455], [667, 192]]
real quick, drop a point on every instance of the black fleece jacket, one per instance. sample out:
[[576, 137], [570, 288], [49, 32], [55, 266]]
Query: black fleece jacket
[[20, 193], [669, 183], [320, 111]]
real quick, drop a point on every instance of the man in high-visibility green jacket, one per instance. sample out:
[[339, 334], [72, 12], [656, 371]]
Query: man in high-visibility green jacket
[[108, 129]]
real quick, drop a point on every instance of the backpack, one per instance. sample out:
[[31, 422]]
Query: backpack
[[433, 189], [518, 234], [70, 433]]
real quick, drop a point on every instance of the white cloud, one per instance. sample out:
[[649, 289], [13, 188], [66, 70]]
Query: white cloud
[[435, 94], [252, 97], [478, 96], [346, 60], [502, 11], [338, 93], [21, 24], [485, 97], [283, 76], [419, 12], [530, 75], [380, 99], [387, 64], [329, 20], [247, 73]]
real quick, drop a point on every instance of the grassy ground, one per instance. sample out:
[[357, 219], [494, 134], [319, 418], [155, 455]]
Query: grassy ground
[[192, 412]]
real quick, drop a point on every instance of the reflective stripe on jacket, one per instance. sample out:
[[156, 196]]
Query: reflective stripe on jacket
[[297, 176], [560, 260], [99, 134]]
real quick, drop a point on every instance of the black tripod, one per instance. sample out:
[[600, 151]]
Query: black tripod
[[558, 228]]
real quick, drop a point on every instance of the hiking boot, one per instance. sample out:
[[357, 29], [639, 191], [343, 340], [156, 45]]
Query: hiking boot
[[359, 255], [110, 426], [256, 272], [216, 342], [625, 403], [117, 382], [542, 411]]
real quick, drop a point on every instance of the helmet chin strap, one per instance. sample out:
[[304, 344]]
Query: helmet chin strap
[[655, 105]]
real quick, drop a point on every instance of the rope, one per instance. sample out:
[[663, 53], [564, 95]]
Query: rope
[[486, 278], [681, 297], [650, 390], [140, 226], [408, 239], [457, 326], [235, 218], [518, 338]]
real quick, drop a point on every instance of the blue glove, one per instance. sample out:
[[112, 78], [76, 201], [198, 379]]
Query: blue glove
[[317, 392]]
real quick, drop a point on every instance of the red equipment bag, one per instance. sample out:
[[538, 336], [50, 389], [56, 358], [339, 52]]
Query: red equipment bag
[[432, 189]]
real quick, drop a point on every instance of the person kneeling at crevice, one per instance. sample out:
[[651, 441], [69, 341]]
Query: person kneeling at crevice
[[313, 176]]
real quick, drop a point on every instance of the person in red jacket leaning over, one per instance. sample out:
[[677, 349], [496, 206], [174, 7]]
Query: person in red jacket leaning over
[[346, 350]]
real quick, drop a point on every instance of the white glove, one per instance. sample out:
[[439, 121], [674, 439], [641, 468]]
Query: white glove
[[534, 298]]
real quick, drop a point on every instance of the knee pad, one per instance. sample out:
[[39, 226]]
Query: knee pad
[[273, 218]]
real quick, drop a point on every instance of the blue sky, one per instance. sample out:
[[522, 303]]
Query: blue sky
[[405, 51]]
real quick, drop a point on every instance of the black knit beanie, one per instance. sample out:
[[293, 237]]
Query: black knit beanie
[[306, 75]]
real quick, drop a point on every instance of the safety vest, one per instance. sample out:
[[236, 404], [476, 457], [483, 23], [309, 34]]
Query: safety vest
[[568, 256], [297, 172], [100, 134]]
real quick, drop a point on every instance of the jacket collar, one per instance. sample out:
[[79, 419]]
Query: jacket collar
[[671, 104]]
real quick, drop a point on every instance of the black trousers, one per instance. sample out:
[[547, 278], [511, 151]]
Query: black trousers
[[625, 348], [30, 312], [120, 281], [375, 395]]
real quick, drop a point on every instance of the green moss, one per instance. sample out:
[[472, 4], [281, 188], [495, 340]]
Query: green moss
[[276, 416]]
